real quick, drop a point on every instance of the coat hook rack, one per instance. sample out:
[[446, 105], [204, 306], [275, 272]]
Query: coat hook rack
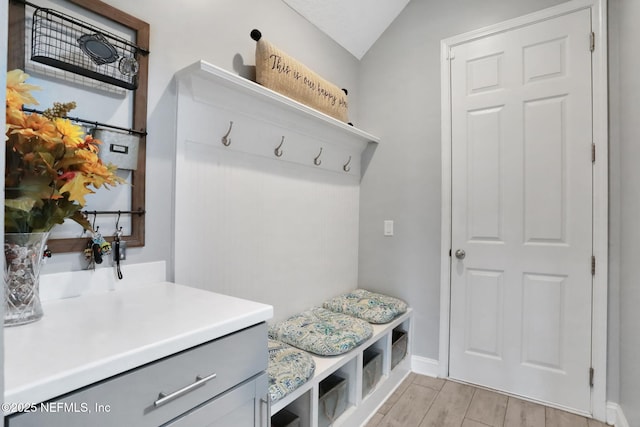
[[278, 150], [226, 141], [317, 160], [346, 166]]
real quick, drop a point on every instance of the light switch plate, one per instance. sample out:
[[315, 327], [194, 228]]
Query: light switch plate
[[388, 227]]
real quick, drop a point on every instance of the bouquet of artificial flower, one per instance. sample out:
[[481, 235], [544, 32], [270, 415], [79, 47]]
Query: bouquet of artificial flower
[[51, 164]]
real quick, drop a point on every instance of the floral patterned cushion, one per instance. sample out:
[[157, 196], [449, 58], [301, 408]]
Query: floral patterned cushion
[[366, 305], [288, 369], [321, 331]]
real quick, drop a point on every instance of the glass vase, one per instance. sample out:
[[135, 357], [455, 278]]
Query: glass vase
[[23, 253]]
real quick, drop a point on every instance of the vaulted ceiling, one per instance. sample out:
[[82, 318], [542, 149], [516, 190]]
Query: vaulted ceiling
[[354, 24]]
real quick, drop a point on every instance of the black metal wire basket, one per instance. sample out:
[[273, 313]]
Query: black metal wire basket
[[72, 45]]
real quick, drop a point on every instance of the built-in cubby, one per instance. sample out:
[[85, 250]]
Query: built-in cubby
[[289, 146], [361, 401], [399, 345], [371, 369], [285, 418], [333, 398]]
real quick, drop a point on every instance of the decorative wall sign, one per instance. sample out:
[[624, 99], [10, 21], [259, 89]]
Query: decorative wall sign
[[280, 72]]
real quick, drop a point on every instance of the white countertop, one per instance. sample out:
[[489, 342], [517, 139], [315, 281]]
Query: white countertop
[[92, 337]]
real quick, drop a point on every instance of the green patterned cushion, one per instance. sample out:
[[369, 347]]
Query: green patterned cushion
[[288, 369], [321, 331], [366, 305]]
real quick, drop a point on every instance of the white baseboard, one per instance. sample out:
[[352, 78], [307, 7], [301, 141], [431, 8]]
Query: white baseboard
[[425, 366], [615, 416]]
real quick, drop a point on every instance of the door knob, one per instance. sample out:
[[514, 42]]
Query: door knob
[[460, 254]]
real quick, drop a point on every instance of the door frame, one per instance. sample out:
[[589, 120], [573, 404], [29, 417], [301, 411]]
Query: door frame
[[600, 185]]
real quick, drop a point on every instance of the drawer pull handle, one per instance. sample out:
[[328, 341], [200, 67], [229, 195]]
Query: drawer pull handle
[[166, 398], [267, 403]]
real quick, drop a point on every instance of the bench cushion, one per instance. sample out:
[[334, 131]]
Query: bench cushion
[[321, 331], [366, 305], [288, 369]]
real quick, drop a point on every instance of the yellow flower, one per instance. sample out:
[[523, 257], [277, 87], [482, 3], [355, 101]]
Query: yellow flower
[[72, 135], [18, 92]]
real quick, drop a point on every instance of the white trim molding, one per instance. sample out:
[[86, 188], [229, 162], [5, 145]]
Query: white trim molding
[[615, 416], [425, 366], [598, 8]]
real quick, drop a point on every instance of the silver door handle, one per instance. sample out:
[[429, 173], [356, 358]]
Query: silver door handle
[[166, 398], [460, 254]]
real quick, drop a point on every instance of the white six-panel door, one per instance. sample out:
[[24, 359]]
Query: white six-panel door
[[521, 184]]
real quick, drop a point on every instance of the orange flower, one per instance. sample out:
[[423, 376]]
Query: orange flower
[[91, 144], [18, 92], [14, 113], [35, 125], [89, 158]]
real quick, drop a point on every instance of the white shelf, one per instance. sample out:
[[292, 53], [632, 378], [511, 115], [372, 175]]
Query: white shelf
[[218, 76], [261, 119], [361, 407]]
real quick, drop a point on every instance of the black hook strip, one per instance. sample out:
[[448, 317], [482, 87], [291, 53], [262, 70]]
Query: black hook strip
[[138, 212], [91, 122]]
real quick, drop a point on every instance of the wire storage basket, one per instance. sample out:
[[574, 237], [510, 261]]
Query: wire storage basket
[[72, 45]]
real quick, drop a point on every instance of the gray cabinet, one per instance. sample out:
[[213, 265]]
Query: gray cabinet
[[242, 406], [222, 379]]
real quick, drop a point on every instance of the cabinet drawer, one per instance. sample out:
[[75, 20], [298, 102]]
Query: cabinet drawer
[[243, 406], [133, 398]]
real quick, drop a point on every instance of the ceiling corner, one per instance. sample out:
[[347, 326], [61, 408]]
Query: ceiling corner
[[354, 24]]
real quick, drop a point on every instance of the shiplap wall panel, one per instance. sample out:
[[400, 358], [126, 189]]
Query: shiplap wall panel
[[281, 231], [274, 233]]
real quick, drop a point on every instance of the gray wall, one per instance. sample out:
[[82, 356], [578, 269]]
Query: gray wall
[[627, 126], [400, 98], [613, 335]]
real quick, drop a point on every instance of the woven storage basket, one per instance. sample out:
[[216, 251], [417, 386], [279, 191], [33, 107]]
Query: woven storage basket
[[280, 72]]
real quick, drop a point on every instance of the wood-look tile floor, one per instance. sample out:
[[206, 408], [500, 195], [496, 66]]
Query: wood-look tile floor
[[422, 401]]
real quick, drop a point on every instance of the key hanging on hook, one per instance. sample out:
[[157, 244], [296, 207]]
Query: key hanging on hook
[[92, 251], [117, 247], [96, 248]]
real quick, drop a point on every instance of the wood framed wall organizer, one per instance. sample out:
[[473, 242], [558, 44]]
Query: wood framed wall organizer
[[125, 74]]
